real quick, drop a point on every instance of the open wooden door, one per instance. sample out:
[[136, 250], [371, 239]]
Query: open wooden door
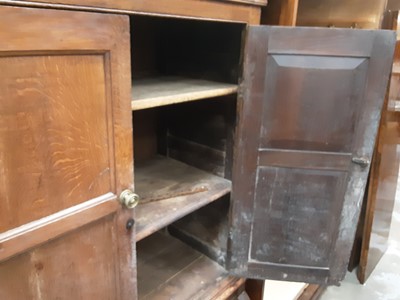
[[310, 105], [65, 155]]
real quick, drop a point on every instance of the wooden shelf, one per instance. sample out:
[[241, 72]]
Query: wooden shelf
[[170, 190], [160, 91], [169, 269]]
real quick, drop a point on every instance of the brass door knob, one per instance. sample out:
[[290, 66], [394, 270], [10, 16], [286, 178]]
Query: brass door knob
[[129, 199]]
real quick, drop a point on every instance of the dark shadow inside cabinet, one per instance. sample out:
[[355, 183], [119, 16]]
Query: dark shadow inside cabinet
[[190, 48], [206, 230], [175, 60], [168, 268], [184, 90]]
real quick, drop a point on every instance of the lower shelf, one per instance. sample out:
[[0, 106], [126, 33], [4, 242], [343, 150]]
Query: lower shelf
[[169, 269]]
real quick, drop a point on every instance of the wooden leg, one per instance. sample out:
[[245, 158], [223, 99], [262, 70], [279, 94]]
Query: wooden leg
[[255, 289]]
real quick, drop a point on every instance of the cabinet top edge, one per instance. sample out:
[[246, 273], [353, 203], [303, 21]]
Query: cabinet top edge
[[233, 11]]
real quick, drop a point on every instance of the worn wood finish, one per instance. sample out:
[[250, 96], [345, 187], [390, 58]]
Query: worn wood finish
[[162, 178], [232, 11], [153, 92], [169, 269], [65, 155], [171, 190], [304, 91], [280, 12], [63, 148]]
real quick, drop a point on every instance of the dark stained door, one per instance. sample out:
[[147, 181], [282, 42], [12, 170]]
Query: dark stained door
[[310, 105], [65, 155]]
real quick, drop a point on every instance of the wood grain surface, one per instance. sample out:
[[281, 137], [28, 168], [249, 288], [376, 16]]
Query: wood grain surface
[[66, 153]]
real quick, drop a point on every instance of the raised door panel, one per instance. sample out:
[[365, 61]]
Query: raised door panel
[[65, 155], [51, 133], [310, 107], [80, 265]]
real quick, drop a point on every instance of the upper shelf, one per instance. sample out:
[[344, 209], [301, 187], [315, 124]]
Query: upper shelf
[[170, 190], [160, 91]]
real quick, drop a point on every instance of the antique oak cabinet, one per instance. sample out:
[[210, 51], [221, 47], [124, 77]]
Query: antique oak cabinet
[[171, 150]]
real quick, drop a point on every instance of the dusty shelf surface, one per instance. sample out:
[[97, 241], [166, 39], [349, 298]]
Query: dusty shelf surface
[[160, 91], [169, 190]]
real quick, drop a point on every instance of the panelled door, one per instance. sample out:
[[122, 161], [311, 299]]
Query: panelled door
[[65, 155], [310, 105]]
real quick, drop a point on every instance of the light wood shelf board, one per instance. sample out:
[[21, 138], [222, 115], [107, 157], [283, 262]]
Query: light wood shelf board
[[161, 91]]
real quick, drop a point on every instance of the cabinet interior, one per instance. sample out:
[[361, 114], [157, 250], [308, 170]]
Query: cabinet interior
[[175, 60], [184, 90], [170, 269], [206, 229], [183, 159]]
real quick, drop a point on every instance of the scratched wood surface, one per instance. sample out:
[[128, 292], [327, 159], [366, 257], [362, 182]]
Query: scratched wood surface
[[65, 155], [72, 135]]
